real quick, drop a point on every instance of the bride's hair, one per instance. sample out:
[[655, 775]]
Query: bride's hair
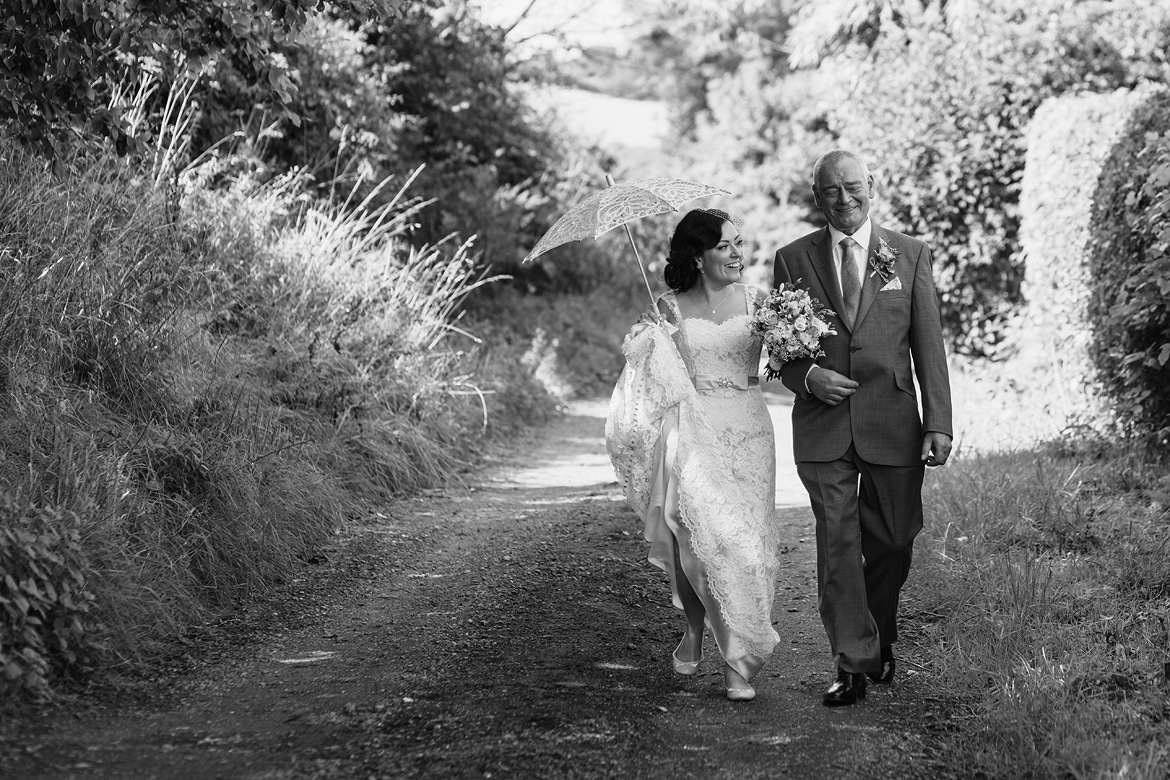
[[697, 231]]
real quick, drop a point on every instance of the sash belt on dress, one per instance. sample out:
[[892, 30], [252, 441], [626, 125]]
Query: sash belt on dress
[[735, 381]]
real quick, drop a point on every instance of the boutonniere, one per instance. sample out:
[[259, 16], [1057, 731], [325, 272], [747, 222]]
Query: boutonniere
[[882, 261]]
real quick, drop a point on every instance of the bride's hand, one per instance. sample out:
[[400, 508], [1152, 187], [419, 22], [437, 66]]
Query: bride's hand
[[648, 317]]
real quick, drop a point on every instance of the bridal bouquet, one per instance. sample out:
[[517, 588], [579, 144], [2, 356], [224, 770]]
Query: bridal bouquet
[[792, 323]]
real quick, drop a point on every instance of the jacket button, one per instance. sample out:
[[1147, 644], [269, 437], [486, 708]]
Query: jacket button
[[854, 348]]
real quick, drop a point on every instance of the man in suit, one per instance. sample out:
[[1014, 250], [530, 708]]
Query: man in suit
[[861, 446]]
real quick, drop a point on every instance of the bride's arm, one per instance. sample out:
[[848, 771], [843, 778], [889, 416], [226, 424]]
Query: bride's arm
[[656, 313], [664, 312]]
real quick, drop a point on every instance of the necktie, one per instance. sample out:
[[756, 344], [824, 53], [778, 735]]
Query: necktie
[[850, 282]]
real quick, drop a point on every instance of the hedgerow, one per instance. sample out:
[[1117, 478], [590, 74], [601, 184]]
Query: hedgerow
[[1069, 140], [1129, 261]]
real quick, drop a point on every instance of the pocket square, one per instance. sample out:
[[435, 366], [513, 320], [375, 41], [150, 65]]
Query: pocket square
[[893, 284]]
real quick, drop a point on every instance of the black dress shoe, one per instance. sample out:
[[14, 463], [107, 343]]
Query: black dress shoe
[[848, 688], [886, 675]]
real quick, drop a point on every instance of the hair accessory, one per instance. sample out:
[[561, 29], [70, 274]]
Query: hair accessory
[[734, 219]]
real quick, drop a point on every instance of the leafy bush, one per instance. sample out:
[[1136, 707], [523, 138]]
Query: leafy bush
[[570, 342], [47, 625], [1069, 140], [1130, 266]]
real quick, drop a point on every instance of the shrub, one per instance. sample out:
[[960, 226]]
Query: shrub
[[1130, 266], [47, 626], [570, 343], [1069, 139]]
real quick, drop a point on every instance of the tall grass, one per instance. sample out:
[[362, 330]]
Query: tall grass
[[198, 389], [1041, 600]]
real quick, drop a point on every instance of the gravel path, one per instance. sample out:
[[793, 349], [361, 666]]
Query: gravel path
[[507, 628]]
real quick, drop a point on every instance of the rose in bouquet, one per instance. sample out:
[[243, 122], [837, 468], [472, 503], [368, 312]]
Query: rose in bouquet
[[792, 323]]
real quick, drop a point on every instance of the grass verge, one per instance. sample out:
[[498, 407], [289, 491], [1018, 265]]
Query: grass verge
[[1041, 600]]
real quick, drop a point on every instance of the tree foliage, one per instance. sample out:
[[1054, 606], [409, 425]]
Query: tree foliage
[[448, 77], [62, 62], [740, 117], [430, 87], [351, 91], [822, 28]]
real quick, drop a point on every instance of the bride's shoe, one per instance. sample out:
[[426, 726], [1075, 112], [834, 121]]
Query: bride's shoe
[[737, 691], [686, 667]]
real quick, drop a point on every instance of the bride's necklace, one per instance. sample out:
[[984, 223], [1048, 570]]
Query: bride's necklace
[[726, 294]]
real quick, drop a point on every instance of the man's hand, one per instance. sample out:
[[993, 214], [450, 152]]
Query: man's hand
[[936, 448], [829, 386]]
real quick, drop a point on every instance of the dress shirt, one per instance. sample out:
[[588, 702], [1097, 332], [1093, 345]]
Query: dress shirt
[[860, 256]]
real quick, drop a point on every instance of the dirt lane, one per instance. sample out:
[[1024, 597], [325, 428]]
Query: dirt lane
[[507, 628]]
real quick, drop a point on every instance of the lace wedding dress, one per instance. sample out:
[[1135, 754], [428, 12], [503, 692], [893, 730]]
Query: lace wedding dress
[[693, 446]]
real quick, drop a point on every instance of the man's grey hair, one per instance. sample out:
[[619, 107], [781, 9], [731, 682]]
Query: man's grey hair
[[833, 157]]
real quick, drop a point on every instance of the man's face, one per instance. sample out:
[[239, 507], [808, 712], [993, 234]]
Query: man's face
[[842, 192]]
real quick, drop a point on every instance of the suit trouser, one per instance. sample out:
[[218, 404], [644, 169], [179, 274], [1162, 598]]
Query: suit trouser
[[867, 517]]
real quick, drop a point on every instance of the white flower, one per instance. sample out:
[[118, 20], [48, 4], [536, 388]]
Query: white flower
[[800, 323]]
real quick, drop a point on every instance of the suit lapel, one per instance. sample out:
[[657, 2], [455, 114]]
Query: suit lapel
[[822, 263], [870, 282]]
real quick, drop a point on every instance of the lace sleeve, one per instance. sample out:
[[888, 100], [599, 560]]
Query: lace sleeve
[[673, 313], [654, 379]]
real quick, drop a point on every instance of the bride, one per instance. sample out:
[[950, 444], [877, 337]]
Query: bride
[[692, 444]]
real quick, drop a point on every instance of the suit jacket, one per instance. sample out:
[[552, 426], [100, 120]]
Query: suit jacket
[[893, 325]]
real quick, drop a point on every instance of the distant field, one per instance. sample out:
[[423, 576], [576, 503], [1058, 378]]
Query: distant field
[[611, 122]]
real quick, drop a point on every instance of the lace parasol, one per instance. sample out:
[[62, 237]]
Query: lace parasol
[[620, 204]]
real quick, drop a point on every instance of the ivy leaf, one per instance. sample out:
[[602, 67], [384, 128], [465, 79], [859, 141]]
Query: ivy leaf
[[1160, 176]]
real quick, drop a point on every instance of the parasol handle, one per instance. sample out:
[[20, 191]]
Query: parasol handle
[[629, 234]]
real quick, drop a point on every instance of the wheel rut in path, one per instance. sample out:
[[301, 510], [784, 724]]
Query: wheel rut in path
[[506, 628]]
